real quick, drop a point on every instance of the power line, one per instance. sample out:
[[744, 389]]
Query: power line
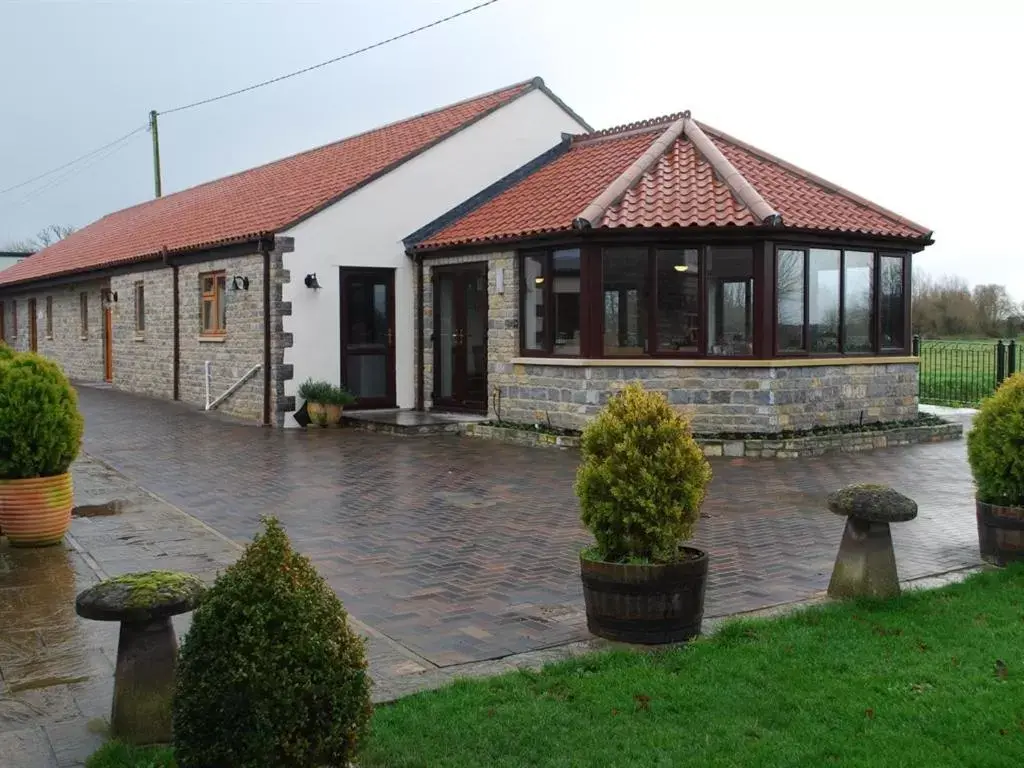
[[77, 160], [330, 61], [112, 149]]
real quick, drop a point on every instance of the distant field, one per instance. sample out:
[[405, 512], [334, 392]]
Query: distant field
[[958, 372]]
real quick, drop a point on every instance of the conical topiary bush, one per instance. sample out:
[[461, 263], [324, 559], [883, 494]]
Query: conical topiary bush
[[270, 673]]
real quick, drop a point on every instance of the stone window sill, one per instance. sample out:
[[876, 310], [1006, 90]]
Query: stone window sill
[[140, 337], [83, 338], [213, 339]]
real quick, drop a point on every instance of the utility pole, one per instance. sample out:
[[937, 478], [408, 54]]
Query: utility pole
[[156, 152]]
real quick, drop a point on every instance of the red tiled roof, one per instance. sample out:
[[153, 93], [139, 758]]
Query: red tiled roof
[[253, 203], [681, 189]]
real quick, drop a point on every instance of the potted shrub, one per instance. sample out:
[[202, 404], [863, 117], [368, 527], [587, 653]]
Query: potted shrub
[[324, 401], [40, 435], [995, 450], [641, 485]]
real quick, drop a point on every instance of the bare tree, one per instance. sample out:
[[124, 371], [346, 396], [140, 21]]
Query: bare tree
[[994, 307], [43, 239]]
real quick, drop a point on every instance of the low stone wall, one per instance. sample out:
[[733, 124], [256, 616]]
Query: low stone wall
[[782, 448], [770, 398]]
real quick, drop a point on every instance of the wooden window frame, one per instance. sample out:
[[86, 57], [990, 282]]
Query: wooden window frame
[[83, 315], [14, 321], [49, 317], [218, 298], [140, 307], [3, 322]]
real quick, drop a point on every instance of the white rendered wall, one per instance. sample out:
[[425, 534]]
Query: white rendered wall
[[366, 229]]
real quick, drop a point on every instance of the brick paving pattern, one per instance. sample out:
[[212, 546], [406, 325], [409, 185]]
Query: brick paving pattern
[[463, 550]]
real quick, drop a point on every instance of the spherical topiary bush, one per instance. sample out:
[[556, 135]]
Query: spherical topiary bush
[[642, 480], [995, 446], [270, 674], [40, 425]]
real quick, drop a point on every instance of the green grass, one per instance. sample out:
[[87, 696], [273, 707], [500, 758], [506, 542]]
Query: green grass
[[114, 754], [957, 372], [912, 682], [932, 679]]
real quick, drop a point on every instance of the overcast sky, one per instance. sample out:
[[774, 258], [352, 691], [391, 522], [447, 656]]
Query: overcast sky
[[915, 105]]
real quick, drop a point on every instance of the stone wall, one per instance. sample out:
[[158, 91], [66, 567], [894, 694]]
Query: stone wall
[[79, 351], [143, 360], [719, 398]]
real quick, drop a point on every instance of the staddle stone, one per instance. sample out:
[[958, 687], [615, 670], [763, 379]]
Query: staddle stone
[[147, 648], [866, 563]]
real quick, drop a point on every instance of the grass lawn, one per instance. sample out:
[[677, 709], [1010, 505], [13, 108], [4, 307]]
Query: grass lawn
[[115, 755], [933, 679], [958, 373]]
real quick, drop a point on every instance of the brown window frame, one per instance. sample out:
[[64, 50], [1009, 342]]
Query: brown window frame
[[547, 272], [217, 297], [877, 349], [140, 307], [49, 317], [83, 315], [3, 322], [14, 320]]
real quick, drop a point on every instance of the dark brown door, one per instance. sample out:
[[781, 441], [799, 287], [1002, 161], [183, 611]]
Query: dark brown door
[[368, 336], [460, 337], [108, 344], [33, 335]]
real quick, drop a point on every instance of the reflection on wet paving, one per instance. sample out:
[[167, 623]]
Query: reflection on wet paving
[[100, 510]]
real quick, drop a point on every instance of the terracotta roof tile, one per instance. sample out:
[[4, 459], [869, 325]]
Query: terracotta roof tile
[[680, 190], [252, 203]]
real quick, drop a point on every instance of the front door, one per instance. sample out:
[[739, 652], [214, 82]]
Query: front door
[[368, 336], [460, 337], [108, 344], [33, 338]]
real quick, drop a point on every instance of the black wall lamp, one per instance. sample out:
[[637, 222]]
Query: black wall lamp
[[239, 283], [312, 282], [108, 296]]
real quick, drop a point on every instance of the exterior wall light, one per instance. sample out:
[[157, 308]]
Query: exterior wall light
[[239, 283], [108, 296], [312, 282]]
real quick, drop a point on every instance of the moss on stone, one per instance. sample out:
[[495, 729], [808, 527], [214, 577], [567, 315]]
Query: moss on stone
[[151, 588], [872, 502]]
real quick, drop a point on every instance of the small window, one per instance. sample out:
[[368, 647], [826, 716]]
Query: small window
[[3, 323], [49, 317], [892, 307], [83, 314], [678, 299], [213, 311], [14, 322], [550, 302], [858, 299], [731, 302], [533, 303], [140, 307], [625, 292], [565, 287]]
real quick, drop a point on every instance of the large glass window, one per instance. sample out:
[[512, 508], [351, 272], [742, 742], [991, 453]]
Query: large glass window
[[858, 279], [789, 298], [730, 307], [533, 318], [677, 311], [892, 303], [823, 300], [550, 305], [624, 288]]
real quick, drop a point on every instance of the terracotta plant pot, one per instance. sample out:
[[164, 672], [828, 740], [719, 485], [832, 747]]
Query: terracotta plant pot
[[36, 512], [1000, 533], [645, 603]]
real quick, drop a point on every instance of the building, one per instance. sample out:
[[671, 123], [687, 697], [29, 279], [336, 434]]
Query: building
[[757, 296], [235, 291], [496, 256], [10, 258]]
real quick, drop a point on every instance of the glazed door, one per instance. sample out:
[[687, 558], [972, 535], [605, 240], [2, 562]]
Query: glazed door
[[368, 336], [33, 332], [108, 344], [460, 337]]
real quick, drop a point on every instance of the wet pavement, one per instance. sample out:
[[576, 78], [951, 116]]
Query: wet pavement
[[455, 557]]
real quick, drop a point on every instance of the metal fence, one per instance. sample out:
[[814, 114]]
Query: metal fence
[[961, 373]]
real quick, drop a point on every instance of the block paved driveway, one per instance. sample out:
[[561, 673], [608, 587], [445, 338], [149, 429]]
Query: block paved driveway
[[463, 549]]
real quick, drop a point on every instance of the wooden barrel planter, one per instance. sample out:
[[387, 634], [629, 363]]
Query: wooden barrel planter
[[646, 604], [1000, 533], [36, 512]]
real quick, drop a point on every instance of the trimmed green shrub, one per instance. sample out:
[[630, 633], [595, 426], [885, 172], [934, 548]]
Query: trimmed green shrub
[[270, 674], [325, 393], [642, 480], [40, 425], [6, 353], [995, 446]]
